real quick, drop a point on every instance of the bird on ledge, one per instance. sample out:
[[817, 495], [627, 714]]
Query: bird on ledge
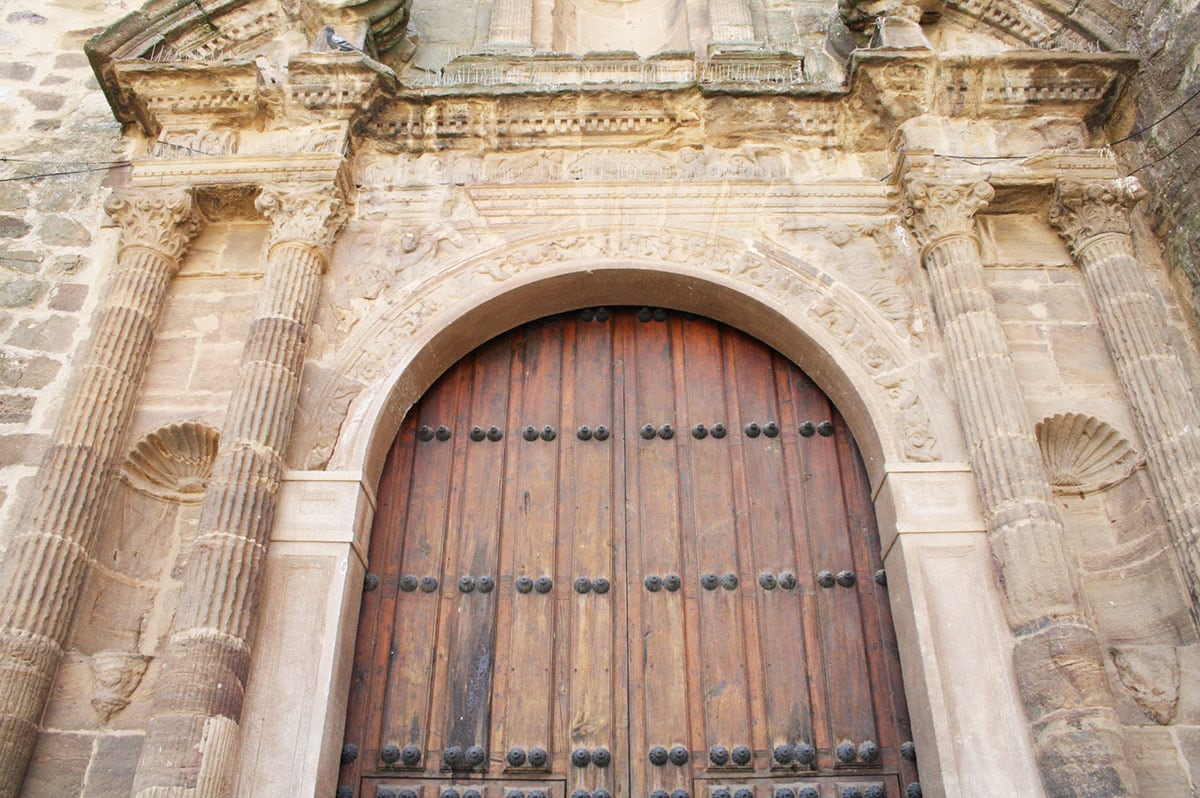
[[328, 41]]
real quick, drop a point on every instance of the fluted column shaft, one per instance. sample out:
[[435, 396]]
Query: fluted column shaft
[[44, 567], [191, 742], [1057, 658], [1093, 219]]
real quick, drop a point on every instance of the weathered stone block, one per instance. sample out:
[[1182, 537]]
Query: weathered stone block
[[21, 449], [12, 227], [63, 231], [70, 704], [21, 260], [1082, 356], [20, 71], [15, 408], [113, 766], [68, 297], [55, 334], [45, 100], [21, 293], [59, 764]]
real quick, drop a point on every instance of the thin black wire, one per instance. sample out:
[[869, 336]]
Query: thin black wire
[[1167, 155], [114, 165], [1161, 119]]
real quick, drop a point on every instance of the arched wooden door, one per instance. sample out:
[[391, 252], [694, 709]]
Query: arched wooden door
[[625, 553]]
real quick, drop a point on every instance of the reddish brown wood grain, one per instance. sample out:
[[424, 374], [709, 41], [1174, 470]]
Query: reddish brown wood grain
[[631, 668]]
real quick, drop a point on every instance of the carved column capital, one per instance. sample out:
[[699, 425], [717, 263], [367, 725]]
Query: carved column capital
[[935, 209], [1084, 209], [310, 215], [163, 220]]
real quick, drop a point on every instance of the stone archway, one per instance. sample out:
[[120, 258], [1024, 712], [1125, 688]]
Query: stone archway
[[934, 544]]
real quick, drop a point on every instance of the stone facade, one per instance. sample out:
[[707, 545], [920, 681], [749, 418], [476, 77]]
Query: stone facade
[[217, 308]]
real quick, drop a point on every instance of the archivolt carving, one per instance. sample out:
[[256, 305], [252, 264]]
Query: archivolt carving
[[174, 462], [370, 352], [1084, 454]]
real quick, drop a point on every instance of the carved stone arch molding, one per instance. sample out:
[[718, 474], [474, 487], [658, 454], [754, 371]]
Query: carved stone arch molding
[[885, 388]]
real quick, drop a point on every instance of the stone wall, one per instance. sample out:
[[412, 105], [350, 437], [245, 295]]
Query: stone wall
[[1164, 34], [52, 243]]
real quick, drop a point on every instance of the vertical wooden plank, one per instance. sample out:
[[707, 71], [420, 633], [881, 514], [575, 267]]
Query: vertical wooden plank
[[530, 519], [659, 715], [372, 647], [891, 707], [471, 616], [840, 647], [773, 560], [414, 623], [587, 546], [717, 655]]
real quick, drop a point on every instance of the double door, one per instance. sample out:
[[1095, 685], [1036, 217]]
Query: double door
[[625, 552]]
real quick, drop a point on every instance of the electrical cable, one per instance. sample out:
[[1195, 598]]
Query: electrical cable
[[1167, 155], [1161, 119]]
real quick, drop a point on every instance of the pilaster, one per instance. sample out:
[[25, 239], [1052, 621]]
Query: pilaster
[[192, 739], [44, 567], [1057, 657], [1093, 218]]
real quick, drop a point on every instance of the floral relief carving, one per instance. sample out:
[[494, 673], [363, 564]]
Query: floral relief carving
[[163, 220], [936, 209], [1084, 209], [402, 310]]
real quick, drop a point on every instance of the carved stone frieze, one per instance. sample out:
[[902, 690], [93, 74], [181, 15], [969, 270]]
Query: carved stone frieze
[[938, 208], [1084, 209], [400, 310], [163, 220], [310, 215]]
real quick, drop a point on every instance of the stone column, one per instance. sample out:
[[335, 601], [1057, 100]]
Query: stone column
[[192, 739], [1057, 658], [44, 566], [1092, 217]]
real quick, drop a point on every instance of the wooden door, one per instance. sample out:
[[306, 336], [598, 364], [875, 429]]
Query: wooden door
[[625, 553]]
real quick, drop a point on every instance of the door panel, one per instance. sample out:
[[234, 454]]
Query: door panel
[[601, 542]]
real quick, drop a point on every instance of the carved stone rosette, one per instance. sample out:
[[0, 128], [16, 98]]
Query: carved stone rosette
[[1093, 218], [191, 741], [1057, 658], [44, 566]]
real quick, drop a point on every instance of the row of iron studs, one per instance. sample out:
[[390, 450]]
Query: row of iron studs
[[648, 432], [601, 585]]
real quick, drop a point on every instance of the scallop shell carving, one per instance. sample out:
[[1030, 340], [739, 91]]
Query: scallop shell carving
[[1084, 454], [174, 462]]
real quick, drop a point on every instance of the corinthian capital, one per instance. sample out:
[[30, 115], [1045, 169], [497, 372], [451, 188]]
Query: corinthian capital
[[936, 208], [163, 220], [309, 214], [1084, 209]]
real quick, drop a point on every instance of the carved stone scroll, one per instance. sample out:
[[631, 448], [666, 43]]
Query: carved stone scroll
[[1057, 658], [1092, 217], [44, 566], [191, 741]]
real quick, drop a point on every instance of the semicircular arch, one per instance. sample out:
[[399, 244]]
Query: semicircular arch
[[883, 387]]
